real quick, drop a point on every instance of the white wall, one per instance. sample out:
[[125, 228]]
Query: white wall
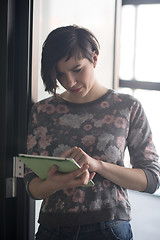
[[98, 16]]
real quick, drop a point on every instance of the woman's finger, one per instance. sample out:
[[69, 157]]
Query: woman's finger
[[52, 170], [72, 152], [92, 176]]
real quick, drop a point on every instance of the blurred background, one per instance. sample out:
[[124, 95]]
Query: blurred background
[[129, 62]]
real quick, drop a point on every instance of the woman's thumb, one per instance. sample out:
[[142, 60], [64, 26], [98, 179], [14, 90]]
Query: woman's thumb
[[52, 170]]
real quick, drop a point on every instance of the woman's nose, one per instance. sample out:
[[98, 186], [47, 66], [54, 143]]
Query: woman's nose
[[71, 80]]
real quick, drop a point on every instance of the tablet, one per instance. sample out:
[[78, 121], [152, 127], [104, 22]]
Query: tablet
[[41, 164]]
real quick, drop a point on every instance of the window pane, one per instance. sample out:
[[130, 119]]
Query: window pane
[[127, 42], [147, 63]]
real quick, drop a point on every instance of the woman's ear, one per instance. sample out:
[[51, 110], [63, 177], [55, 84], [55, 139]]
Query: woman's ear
[[95, 59]]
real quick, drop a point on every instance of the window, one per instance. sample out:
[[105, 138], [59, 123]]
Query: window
[[139, 73], [140, 48]]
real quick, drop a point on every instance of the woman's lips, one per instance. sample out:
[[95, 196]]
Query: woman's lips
[[76, 90]]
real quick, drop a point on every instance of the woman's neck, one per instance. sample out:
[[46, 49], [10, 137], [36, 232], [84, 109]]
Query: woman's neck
[[96, 92]]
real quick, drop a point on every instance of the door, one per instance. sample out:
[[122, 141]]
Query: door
[[15, 53]]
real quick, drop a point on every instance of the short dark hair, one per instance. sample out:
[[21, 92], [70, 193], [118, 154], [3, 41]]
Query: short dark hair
[[66, 42]]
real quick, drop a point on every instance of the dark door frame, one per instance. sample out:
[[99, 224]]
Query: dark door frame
[[16, 213]]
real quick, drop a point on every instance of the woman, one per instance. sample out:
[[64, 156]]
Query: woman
[[93, 125]]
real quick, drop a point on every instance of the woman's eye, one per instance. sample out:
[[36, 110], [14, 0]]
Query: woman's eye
[[77, 70]]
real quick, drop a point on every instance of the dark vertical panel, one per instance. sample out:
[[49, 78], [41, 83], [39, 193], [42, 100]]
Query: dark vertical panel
[[15, 72], [23, 37], [8, 206], [3, 102]]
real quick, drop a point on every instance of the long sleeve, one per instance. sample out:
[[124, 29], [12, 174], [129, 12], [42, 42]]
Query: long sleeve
[[31, 148], [141, 148]]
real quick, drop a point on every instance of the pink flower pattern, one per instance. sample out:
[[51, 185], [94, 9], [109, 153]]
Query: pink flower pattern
[[103, 131], [106, 183], [61, 108], [88, 140], [120, 122], [69, 191], [121, 143], [87, 127], [78, 196], [31, 141], [108, 119], [47, 108], [41, 131], [105, 104], [45, 141], [149, 153]]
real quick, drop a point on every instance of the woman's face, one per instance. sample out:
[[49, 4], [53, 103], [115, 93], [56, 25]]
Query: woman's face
[[77, 77]]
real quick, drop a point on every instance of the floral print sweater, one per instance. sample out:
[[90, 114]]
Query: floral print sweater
[[103, 129]]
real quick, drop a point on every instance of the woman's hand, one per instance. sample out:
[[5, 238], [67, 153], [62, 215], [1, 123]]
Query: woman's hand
[[76, 178], [81, 158], [129, 178], [57, 181]]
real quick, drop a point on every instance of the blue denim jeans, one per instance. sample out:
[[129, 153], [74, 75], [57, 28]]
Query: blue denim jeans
[[110, 230]]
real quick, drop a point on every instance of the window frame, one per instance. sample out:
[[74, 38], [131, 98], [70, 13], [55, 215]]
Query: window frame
[[139, 2], [133, 83]]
